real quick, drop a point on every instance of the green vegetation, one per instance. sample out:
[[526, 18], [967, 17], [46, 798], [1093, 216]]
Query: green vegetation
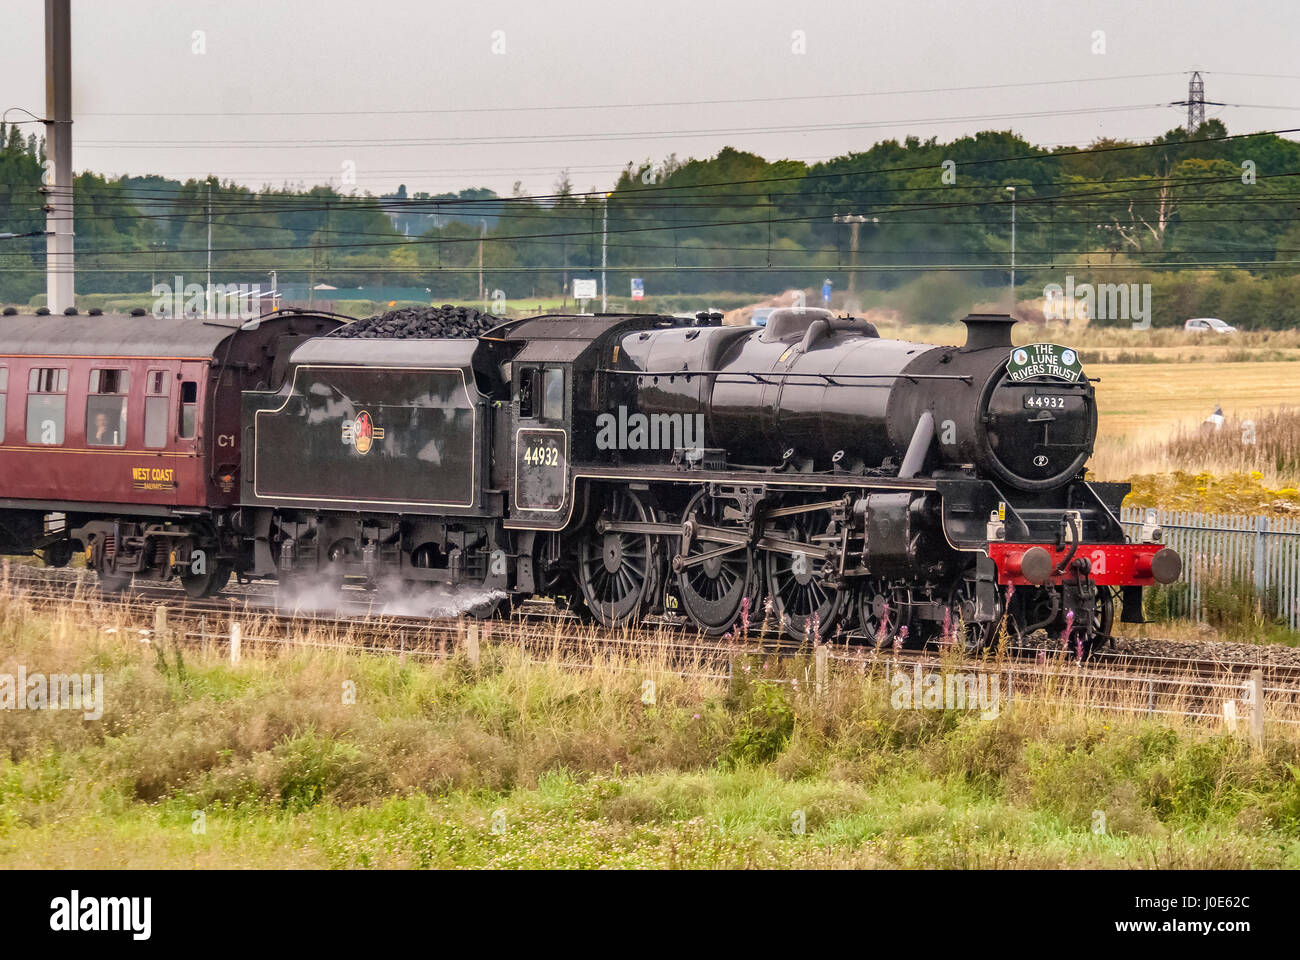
[[1230, 605], [734, 222], [548, 764], [1228, 493]]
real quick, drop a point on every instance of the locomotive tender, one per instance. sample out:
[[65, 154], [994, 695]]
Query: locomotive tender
[[636, 463]]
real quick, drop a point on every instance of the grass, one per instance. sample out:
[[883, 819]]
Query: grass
[[1268, 441], [1230, 492], [561, 762], [1143, 403], [1249, 465], [1231, 609]]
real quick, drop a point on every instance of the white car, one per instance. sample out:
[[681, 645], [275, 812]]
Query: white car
[[1208, 325]]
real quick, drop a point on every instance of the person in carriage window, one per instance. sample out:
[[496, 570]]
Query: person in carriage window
[[105, 430], [102, 436]]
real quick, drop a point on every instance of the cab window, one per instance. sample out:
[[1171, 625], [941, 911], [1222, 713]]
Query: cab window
[[553, 400], [530, 389], [106, 408], [156, 406], [47, 398]]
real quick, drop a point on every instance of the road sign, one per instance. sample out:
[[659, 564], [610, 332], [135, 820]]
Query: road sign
[[826, 291], [584, 289], [638, 288]]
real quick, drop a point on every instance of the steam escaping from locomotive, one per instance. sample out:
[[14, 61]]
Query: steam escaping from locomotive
[[389, 597]]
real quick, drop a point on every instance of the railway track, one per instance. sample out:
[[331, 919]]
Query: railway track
[[363, 616]]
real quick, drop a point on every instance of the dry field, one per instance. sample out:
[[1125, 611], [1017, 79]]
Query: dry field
[[1142, 402]]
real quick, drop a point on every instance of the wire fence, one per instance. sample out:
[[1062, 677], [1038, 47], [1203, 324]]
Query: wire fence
[[1249, 552], [1219, 700]]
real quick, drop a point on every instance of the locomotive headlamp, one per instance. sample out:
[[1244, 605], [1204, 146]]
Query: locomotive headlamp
[[1152, 532]]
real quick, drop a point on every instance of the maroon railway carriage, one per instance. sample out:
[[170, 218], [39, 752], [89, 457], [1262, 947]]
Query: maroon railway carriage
[[120, 435]]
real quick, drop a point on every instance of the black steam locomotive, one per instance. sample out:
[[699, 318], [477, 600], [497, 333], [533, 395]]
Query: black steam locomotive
[[631, 464], [626, 464]]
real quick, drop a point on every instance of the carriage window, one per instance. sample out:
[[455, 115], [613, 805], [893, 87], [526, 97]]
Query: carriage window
[[155, 421], [110, 382], [47, 389], [4, 388], [47, 380], [553, 402], [156, 387], [189, 408], [106, 408]]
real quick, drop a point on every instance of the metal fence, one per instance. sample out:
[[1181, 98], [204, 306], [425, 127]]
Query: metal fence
[[1227, 549]]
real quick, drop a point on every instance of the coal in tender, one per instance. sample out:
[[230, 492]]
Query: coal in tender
[[421, 323]]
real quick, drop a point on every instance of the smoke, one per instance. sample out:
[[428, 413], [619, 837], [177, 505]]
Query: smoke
[[392, 597]]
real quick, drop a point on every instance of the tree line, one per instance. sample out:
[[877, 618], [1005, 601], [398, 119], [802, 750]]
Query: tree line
[[1119, 211]]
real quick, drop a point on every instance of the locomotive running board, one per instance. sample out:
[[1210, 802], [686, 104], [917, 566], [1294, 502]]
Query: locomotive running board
[[810, 482]]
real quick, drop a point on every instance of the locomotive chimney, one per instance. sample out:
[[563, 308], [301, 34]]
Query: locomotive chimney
[[984, 330]]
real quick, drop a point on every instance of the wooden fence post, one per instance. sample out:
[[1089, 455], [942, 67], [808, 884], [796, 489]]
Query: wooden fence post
[[821, 663], [1256, 686], [160, 625], [471, 643], [236, 641]]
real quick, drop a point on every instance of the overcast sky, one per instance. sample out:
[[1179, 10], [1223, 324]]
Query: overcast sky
[[441, 95]]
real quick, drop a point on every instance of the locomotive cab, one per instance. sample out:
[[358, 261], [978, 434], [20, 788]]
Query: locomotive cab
[[541, 431]]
